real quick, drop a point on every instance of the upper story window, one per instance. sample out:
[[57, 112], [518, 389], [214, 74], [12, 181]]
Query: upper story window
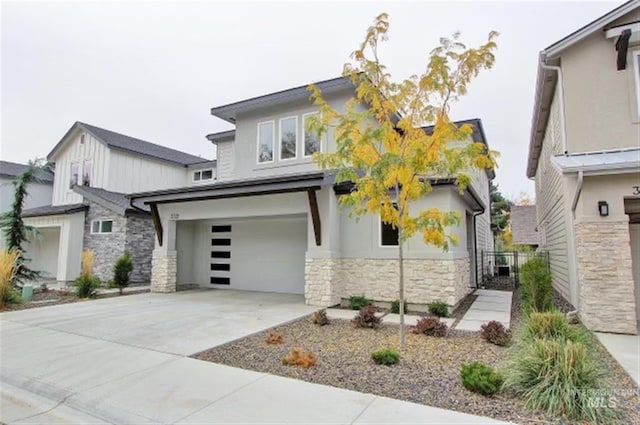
[[311, 140], [389, 233], [288, 137], [74, 175], [101, 226], [86, 173], [636, 71], [203, 175], [266, 134]]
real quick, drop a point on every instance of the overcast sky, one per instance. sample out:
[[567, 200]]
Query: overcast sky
[[153, 70]]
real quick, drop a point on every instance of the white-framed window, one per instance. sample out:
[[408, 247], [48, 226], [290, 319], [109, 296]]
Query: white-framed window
[[100, 227], [312, 142], [203, 175], [87, 168], [266, 136], [74, 174], [389, 235], [288, 138], [636, 71]]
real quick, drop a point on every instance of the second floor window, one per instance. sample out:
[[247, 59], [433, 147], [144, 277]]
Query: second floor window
[[265, 141], [311, 140], [288, 137], [203, 175], [74, 175], [86, 173]]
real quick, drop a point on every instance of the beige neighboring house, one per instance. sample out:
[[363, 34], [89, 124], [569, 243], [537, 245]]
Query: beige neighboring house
[[523, 225], [584, 155]]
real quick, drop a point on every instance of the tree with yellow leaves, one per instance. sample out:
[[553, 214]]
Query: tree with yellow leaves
[[382, 149]]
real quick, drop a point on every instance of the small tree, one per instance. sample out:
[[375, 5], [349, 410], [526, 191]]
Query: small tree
[[382, 149], [13, 228], [122, 271]]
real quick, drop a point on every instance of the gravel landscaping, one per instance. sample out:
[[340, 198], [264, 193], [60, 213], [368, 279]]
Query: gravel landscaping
[[428, 372], [56, 297]]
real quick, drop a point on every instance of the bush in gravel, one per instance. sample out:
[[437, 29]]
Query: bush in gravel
[[559, 377], [356, 302], [395, 307], [367, 318], [297, 358], [320, 318], [386, 356], [480, 378], [495, 333], [439, 308], [122, 271], [537, 290], [431, 326], [548, 325], [273, 338]]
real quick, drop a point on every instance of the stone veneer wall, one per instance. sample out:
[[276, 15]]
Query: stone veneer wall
[[607, 301], [164, 269], [107, 247], [426, 280], [140, 242]]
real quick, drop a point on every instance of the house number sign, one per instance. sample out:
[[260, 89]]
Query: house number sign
[[175, 216], [636, 190]]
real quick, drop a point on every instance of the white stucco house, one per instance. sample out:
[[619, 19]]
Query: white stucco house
[[584, 154], [88, 209], [271, 221]]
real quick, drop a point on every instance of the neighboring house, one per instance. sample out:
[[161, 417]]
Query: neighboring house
[[584, 155], [272, 223], [523, 225], [38, 193], [95, 168]]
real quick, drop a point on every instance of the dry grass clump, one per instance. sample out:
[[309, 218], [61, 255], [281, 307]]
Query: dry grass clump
[[297, 358], [8, 269], [274, 338], [88, 258], [320, 318]]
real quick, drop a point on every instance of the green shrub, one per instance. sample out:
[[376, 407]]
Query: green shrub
[[122, 271], [386, 356], [480, 378], [395, 307], [367, 318], [495, 333], [86, 286], [11, 296], [559, 377], [356, 302], [439, 308], [549, 325], [537, 290], [430, 326]]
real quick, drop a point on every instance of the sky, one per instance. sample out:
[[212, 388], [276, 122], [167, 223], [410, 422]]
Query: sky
[[153, 70]]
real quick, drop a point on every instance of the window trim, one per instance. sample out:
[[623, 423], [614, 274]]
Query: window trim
[[100, 232], [304, 134], [193, 175], [280, 158], [380, 223], [635, 55], [273, 140]]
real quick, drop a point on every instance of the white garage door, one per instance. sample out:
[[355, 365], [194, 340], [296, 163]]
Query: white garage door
[[43, 251], [266, 254]]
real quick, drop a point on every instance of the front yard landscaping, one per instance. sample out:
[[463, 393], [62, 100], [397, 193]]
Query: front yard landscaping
[[428, 371]]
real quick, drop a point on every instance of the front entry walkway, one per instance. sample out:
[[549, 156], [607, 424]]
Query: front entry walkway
[[125, 360], [490, 305], [626, 350]]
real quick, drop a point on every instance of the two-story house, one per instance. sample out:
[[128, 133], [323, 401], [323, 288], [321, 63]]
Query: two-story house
[[584, 154], [271, 221], [95, 168]]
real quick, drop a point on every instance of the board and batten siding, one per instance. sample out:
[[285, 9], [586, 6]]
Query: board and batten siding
[[130, 173], [74, 151], [551, 204], [225, 160]]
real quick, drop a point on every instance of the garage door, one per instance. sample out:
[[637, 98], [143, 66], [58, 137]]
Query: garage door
[[266, 254], [43, 251]]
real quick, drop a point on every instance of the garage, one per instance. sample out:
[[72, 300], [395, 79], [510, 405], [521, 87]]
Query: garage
[[259, 254], [43, 251]]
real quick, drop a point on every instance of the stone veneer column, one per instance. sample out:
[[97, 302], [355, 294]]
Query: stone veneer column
[[603, 254], [322, 281], [164, 269]]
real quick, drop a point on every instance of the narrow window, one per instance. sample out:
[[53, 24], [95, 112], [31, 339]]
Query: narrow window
[[74, 174], [265, 141], [86, 173], [388, 233], [311, 140], [288, 137], [207, 175], [95, 226], [196, 176], [106, 226]]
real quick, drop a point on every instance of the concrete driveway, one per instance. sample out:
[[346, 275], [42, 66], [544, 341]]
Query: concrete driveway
[[124, 360]]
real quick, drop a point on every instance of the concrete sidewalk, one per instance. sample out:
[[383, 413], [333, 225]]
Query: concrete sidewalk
[[626, 350], [490, 305]]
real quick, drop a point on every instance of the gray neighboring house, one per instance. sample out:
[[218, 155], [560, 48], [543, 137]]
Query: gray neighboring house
[[88, 207], [523, 225]]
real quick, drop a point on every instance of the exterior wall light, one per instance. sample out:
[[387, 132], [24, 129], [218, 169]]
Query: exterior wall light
[[603, 208]]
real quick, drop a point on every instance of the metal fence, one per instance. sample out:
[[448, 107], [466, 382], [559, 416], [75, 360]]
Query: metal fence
[[501, 269]]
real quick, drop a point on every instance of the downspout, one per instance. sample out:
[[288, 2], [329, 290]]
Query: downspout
[[563, 125], [572, 242]]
